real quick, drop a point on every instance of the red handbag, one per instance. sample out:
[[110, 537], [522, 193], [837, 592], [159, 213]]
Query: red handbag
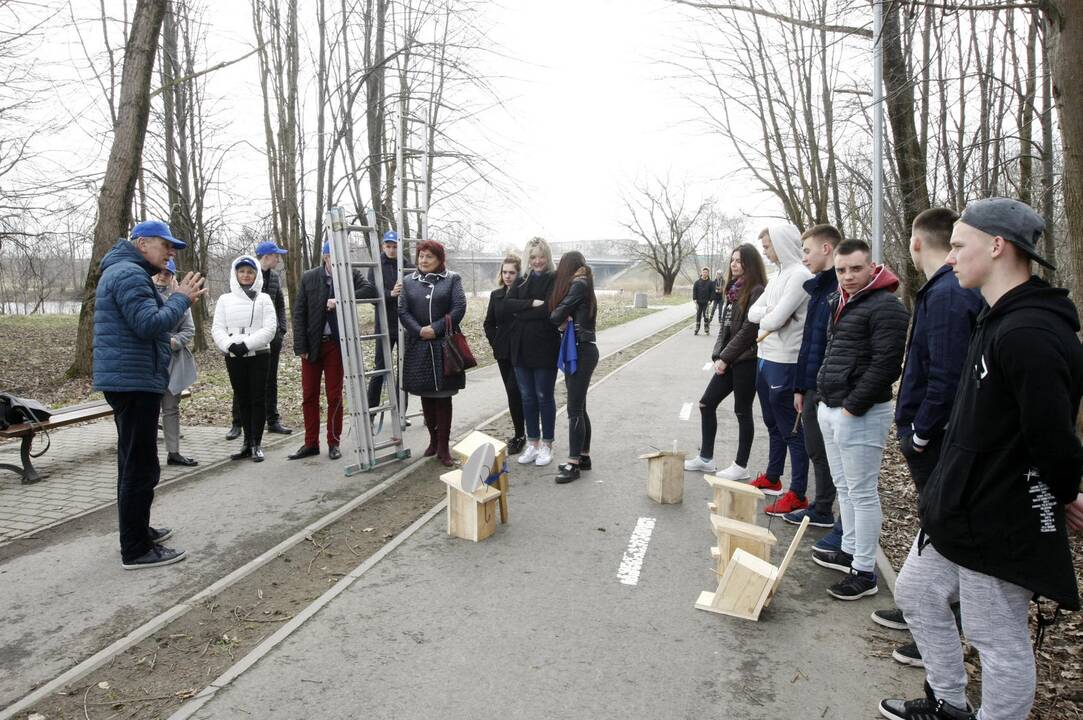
[[458, 357]]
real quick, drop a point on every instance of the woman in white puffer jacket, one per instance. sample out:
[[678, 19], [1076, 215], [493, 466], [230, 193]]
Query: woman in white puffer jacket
[[244, 325]]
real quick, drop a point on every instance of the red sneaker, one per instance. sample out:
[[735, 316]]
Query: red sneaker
[[786, 504], [765, 485]]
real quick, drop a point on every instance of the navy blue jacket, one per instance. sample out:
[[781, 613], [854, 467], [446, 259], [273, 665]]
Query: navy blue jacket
[[944, 317], [817, 319], [132, 323]]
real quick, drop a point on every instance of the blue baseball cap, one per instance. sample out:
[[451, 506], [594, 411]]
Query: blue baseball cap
[[269, 247], [326, 247], [171, 266], [391, 236], [245, 261], [157, 228]]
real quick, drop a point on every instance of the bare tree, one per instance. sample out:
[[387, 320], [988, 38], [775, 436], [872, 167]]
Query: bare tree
[[664, 227]]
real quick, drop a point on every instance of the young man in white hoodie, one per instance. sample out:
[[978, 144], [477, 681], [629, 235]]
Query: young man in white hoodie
[[780, 312]]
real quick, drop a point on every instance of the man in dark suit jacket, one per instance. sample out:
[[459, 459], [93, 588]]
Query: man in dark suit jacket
[[267, 253], [316, 341]]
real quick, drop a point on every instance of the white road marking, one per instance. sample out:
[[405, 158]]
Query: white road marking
[[630, 565], [708, 366], [686, 411]]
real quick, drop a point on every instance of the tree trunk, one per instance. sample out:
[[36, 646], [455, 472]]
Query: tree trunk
[[122, 170], [1065, 37]]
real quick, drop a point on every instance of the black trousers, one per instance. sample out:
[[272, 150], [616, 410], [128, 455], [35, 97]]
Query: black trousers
[[921, 464], [271, 392], [515, 400], [376, 384], [248, 376], [701, 313], [577, 384], [817, 454], [739, 379], [136, 417]]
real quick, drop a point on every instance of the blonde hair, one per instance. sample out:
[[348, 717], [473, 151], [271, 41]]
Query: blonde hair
[[537, 243], [509, 259]]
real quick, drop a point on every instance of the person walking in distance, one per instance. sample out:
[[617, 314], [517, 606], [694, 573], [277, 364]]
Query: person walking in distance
[[316, 341], [703, 291], [390, 271], [718, 297], [996, 510], [818, 255], [182, 369], [734, 359], [497, 325], [780, 313], [132, 322], [575, 310], [534, 345], [865, 344], [267, 254], [944, 316]]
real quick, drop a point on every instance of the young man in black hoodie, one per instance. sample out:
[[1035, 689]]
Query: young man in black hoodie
[[996, 511], [702, 292]]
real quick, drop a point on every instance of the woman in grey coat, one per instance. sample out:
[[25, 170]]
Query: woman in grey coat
[[427, 297], [182, 370]]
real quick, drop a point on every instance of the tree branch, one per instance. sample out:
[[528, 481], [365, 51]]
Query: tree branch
[[843, 29]]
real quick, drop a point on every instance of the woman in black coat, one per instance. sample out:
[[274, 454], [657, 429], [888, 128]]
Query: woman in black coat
[[428, 296], [575, 310], [498, 323], [533, 348]]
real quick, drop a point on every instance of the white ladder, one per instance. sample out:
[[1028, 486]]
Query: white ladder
[[367, 453]]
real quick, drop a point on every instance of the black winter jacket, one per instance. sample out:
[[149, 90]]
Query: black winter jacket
[[703, 291], [426, 299], [1011, 458], [310, 308], [497, 325], [533, 342], [272, 285], [390, 271], [576, 305], [865, 344], [737, 341]]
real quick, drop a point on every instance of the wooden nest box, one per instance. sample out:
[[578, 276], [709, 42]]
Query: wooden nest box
[[665, 476]]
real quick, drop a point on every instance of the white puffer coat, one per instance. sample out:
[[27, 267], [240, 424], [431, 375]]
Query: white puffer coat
[[239, 318]]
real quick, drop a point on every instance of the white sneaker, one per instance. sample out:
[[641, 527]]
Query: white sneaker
[[528, 454], [545, 455], [698, 464], [734, 472]]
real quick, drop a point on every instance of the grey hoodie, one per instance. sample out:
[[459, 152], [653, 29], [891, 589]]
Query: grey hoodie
[[780, 311]]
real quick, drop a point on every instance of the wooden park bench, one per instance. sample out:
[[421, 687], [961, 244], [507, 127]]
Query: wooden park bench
[[64, 416]]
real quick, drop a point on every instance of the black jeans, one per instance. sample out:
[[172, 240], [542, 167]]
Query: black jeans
[[136, 418], [515, 400], [739, 379], [271, 390], [701, 312], [248, 376], [921, 464], [716, 306], [817, 454], [577, 384], [376, 384]]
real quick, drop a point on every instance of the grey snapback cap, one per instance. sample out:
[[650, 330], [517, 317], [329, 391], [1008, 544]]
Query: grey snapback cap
[[1010, 219]]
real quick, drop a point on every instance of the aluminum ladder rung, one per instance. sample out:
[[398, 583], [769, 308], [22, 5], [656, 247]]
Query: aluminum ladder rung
[[417, 210], [371, 301], [374, 373], [363, 263], [359, 228], [371, 337], [393, 442]]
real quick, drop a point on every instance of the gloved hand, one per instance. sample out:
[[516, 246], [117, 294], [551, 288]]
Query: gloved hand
[[238, 349]]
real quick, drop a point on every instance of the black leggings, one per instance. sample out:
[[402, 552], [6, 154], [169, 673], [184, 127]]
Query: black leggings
[[577, 384], [701, 313], [248, 376], [515, 400], [739, 379]]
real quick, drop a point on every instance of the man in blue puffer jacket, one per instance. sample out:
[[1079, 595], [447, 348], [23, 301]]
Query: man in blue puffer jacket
[[132, 323]]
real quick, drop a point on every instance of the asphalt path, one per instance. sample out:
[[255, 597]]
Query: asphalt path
[[536, 622]]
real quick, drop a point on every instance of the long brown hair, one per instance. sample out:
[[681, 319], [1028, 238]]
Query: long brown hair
[[509, 259], [755, 274], [572, 265]]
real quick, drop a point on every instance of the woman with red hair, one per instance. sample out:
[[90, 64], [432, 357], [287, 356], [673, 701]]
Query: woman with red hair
[[430, 296]]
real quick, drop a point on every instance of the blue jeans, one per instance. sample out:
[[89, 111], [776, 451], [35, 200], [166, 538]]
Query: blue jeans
[[774, 385], [855, 446], [537, 385]]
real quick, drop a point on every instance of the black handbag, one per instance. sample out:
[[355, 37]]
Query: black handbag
[[15, 410]]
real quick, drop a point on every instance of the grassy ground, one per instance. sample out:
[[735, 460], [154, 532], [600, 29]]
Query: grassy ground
[[36, 351]]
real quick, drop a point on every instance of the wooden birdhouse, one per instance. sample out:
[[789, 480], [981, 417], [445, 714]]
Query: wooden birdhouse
[[498, 473], [471, 514], [665, 476], [733, 534], [734, 500]]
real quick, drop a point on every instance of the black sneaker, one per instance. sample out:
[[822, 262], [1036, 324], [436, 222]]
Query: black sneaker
[[157, 555], [276, 426], [567, 473], [908, 654], [926, 708], [234, 432], [246, 452], [856, 586], [833, 559], [892, 618], [515, 445], [157, 535], [584, 462]]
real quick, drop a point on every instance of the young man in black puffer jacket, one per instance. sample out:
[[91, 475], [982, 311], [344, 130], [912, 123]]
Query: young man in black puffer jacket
[[996, 511], [865, 342], [702, 292]]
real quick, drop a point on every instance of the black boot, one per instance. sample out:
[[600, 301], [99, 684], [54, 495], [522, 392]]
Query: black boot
[[443, 432], [567, 472], [234, 432], [246, 452], [257, 454], [515, 444]]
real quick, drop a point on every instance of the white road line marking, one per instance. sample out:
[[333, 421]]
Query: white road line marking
[[686, 411], [628, 573]]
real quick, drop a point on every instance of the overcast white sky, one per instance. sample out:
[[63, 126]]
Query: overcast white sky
[[589, 109]]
